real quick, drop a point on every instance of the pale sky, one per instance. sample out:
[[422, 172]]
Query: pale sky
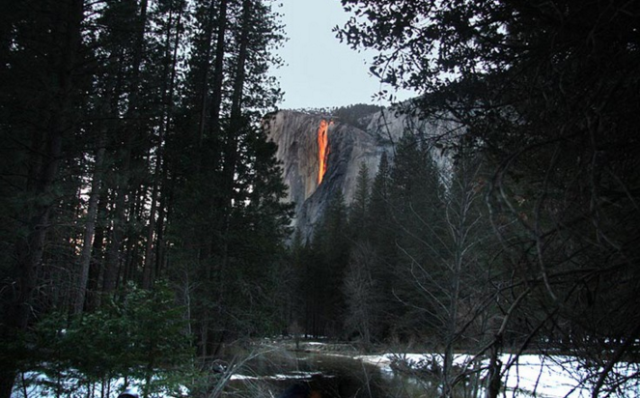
[[319, 70]]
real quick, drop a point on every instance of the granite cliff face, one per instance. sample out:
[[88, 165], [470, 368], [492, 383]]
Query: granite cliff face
[[300, 141]]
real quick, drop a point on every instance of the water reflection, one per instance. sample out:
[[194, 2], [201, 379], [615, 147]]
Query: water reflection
[[322, 375]]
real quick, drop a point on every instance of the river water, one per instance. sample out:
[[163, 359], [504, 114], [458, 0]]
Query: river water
[[328, 376]]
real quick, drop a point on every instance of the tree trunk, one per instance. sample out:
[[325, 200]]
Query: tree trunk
[[204, 92], [495, 368], [218, 69], [236, 123], [148, 273], [90, 227], [133, 130], [112, 262], [97, 261], [152, 256], [224, 207]]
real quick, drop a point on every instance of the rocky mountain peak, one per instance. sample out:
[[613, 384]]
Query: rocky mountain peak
[[321, 154]]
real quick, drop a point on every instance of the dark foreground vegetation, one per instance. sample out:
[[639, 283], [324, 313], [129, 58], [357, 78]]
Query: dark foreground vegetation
[[132, 166], [142, 228]]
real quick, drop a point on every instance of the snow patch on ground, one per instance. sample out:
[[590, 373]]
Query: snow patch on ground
[[34, 384], [538, 375], [279, 377], [529, 375]]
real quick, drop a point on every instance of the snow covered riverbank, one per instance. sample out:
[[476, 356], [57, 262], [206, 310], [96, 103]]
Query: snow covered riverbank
[[532, 375], [529, 375]]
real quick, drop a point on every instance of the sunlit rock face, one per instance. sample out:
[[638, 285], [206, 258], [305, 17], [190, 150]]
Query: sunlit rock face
[[315, 174]]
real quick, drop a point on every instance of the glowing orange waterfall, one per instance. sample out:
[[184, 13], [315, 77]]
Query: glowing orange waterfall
[[323, 148]]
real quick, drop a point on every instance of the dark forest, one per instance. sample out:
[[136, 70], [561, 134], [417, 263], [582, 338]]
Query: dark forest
[[143, 226]]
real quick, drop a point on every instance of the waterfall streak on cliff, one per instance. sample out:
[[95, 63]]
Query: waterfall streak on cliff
[[323, 148]]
